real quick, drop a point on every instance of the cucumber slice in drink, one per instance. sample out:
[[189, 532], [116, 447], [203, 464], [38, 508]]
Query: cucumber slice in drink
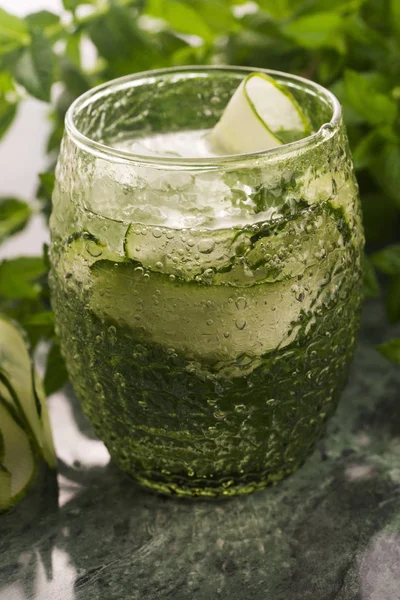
[[19, 387], [187, 253], [17, 465], [210, 323], [261, 114]]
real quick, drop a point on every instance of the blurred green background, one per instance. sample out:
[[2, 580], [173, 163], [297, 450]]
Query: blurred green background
[[350, 46]]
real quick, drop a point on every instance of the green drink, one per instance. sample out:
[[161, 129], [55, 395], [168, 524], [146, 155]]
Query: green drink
[[207, 305]]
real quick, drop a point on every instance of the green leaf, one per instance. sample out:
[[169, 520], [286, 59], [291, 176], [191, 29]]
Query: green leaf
[[56, 372], [34, 69], [42, 19], [38, 325], [365, 151], [388, 260], [8, 111], [363, 96], [47, 181], [393, 299], [13, 32], [217, 14], [74, 79], [386, 171], [14, 215], [122, 43], [395, 16], [181, 17], [280, 9], [73, 50], [319, 30], [71, 5], [380, 216], [391, 350], [371, 284], [19, 277]]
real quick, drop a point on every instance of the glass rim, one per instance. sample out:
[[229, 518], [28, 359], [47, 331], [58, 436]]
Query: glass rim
[[280, 152]]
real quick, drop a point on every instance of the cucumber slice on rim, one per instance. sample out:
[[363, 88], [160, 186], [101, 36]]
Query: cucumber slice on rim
[[17, 467], [19, 387], [261, 114]]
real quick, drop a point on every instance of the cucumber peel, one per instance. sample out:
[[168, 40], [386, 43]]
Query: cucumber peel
[[24, 421], [17, 466], [261, 114]]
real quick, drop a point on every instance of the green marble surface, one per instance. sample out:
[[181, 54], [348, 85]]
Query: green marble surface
[[329, 532]]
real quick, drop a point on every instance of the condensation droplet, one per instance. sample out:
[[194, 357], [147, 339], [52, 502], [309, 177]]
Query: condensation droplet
[[206, 246], [240, 324], [157, 233], [159, 265], [93, 249], [241, 303], [210, 322]]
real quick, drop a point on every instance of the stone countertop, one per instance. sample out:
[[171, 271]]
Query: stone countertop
[[329, 532]]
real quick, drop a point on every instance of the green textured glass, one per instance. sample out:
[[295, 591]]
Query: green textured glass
[[207, 355]]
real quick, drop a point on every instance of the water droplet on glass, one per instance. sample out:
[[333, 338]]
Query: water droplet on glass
[[157, 233], [240, 324], [210, 322], [99, 339], [159, 265], [241, 303], [190, 242], [226, 334], [206, 246]]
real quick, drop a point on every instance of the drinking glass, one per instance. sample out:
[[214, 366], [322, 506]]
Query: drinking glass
[[207, 308]]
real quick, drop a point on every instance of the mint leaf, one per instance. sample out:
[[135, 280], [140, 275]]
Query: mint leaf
[[371, 284], [365, 151], [73, 50], [380, 216], [388, 260], [181, 17], [13, 32], [8, 111], [395, 16], [56, 372], [122, 43], [391, 350], [19, 277], [74, 79], [73, 4], [363, 96], [38, 325], [42, 19], [34, 69], [386, 171], [14, 215], [319, 30], [393, 299], [217, 14]]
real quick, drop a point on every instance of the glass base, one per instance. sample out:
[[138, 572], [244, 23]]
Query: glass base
[[210, 488]]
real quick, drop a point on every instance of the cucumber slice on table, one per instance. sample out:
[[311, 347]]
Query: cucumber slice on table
[[20, 389], [17, 465]]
